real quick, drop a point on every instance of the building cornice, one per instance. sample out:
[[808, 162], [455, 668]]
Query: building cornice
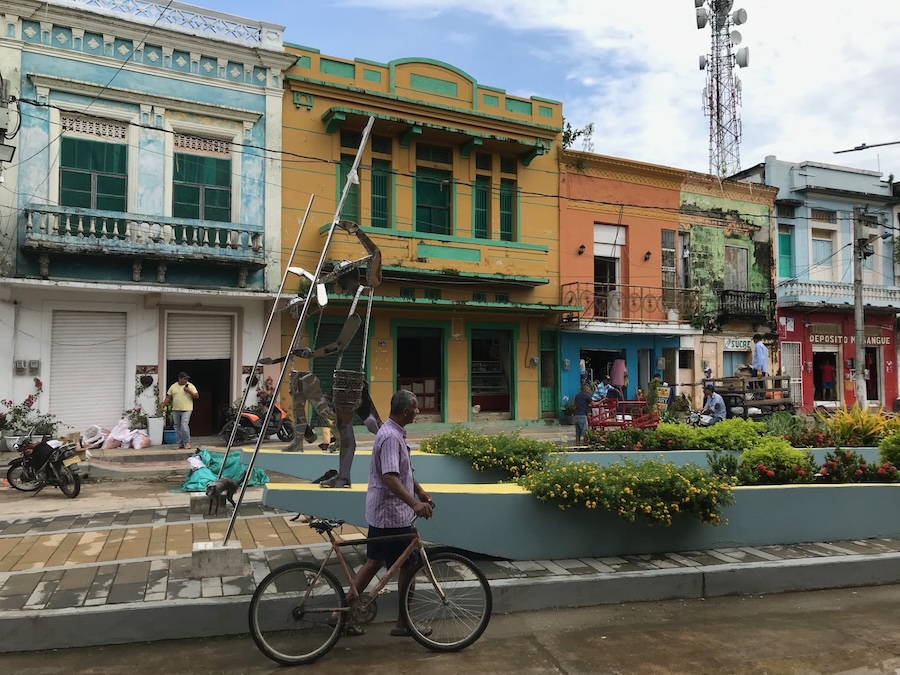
[[577, 161], [91, 89]]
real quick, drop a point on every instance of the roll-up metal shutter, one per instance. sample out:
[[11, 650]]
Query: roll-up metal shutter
[[87, 368], [195, 337]]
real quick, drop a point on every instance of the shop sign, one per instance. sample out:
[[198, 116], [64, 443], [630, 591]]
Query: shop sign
[[871, 340], [738, 344]]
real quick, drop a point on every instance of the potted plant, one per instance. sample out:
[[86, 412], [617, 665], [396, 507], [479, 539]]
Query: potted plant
[[22, 418], [568, 410]]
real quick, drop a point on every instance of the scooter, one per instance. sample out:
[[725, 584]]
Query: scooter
[[250, 425], [45, 462]]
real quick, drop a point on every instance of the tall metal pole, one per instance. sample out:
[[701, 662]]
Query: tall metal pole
[[859, 359]]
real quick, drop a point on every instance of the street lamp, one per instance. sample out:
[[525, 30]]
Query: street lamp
[[863, 146]]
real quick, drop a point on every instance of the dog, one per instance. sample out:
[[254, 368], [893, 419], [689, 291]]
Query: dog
[[215, 490]]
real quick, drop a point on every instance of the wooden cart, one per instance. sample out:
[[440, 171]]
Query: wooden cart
[[754, 397]]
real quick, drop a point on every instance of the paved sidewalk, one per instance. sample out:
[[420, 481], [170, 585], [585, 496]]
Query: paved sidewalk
[[105, 578]]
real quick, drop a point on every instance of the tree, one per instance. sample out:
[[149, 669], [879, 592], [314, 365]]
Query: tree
[[571, 134]]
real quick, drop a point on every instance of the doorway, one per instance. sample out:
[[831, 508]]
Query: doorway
[[595, 363], [873, 367], [491, 374], [826, 364], [420, 362], [607, 301], [212, 377]]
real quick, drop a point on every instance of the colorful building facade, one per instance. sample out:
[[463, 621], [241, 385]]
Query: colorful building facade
[[815, 214], [458, 188], [725, 251], [627, 303], [145, 234]]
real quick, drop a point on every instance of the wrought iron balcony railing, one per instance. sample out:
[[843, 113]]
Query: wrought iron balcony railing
[[68, 230], [744, 305], [617, 302]]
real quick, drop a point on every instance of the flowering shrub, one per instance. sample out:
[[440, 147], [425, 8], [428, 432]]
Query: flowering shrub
[[511, 453], [623, 439], [889, 448], [137, 418], [799, 431], [845, 466], [22, 417], [654, 490], [674, 436], [774, 462]]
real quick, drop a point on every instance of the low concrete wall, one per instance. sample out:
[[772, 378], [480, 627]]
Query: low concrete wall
[[508, 522], [444, 469]]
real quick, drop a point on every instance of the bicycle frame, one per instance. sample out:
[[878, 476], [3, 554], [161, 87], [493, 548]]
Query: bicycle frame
[[338, 544]]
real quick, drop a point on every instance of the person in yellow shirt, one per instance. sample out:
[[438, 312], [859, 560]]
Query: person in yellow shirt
[[181, 395]]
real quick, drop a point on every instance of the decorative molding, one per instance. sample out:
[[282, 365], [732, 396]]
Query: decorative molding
[[93, 90], [189, 19], [199, 144], [93, 127]]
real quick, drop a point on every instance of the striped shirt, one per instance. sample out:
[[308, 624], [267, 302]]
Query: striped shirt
[[390, 454]]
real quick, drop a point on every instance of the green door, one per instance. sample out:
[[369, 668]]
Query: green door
[[549, 387]]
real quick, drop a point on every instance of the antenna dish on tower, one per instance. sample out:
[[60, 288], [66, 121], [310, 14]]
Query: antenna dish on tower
[[703, 62], [739, 17], [699, 3], [736, 38], [742, 58], [702, 17]]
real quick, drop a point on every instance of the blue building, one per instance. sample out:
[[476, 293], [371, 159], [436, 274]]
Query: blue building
[[141, 220], [816, 208]]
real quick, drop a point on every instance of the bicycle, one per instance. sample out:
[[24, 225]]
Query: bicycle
[[300, 610]]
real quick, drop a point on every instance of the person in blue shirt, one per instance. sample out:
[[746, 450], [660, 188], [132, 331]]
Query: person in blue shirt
[[760, 363], [606, 390], [713, 407]]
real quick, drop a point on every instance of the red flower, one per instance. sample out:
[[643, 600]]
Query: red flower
[[881, 471], [801, 472], [824, 471], [770, 473], [761, 466], [859, 472]]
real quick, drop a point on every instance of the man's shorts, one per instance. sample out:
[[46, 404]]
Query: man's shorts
[[389, 551], [581, 424], [827, 386]]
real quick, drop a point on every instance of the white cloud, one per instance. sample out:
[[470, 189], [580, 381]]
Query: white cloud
[[821, 77]]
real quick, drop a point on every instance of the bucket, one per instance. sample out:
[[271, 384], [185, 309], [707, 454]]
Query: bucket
[[169, 437], [347, 388]]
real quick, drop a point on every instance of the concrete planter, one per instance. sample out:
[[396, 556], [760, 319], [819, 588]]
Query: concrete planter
[[508, 522]]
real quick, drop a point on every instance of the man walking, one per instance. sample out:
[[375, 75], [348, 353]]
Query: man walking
[[393, 499], [182, 395]]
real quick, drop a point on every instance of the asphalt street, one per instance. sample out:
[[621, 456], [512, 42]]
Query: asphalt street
[[849, 631]]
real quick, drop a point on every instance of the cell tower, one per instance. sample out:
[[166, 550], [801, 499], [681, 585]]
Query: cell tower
[[722, 94]]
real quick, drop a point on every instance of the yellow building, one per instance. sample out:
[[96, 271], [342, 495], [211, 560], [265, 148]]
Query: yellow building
[[459, 189]]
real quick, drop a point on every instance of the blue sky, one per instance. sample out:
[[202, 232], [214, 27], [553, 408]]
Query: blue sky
[[819, 79]]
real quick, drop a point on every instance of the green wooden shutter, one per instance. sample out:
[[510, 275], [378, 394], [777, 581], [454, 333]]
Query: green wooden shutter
[[785, 253], [381, 189], [351, 205], [507, 209], [324, 366], [482, 198], [433, 201]]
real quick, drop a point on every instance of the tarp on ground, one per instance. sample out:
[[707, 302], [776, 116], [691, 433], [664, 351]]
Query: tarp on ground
[[198, 479]]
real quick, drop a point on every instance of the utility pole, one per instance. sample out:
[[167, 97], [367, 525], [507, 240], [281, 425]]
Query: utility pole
[[860, 241]]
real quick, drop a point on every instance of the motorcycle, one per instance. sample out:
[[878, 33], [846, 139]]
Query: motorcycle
[[45, 462], [250, 425]]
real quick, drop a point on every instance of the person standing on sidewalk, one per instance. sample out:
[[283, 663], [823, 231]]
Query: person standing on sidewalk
[[582, 402], [182, 395], [760, 362]]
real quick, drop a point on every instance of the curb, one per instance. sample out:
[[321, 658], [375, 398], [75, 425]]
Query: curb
[[24, 631]]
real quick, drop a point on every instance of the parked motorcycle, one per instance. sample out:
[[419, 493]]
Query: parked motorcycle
[[250, 425], [45, 462]]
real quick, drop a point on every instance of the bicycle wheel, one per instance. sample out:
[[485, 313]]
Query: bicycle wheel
[[291, 610], [459, 619]]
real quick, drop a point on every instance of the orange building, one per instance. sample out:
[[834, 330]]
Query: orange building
[[620, 272]]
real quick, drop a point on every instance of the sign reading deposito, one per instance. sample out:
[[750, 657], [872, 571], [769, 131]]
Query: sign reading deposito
[[871, 340]]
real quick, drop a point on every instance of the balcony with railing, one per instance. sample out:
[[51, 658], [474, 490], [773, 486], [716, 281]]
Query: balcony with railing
[[744, 305], [830, 293], [593, 303], [54, 231]]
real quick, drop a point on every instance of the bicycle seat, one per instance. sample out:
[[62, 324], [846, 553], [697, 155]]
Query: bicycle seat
[[323, 525]]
